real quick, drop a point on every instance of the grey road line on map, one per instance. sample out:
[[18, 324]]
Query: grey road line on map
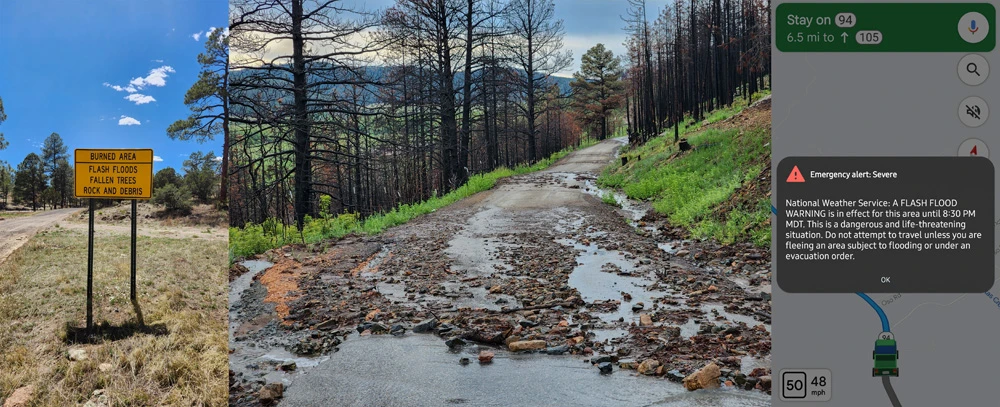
[[934, 303], [890, 392], [927, 303]]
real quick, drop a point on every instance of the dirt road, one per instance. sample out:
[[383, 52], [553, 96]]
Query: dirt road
[[538, 258], [14, 232]]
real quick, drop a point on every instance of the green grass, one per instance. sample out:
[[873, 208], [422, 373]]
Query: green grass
[[689, 188], [257, 238], [609, 198]]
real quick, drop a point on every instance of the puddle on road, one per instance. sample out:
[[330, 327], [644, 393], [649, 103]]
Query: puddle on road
[[601, 335], [283, 356], [673, 246], [260, 361], [425, 372], [594, 284], [376, 260]]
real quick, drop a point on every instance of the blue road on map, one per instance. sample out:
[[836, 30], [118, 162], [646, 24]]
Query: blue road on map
[[878, 310]]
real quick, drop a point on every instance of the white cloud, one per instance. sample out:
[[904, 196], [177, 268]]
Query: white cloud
[[156, 77], [157, 158], [139, 99], [218, 158], [159, 61], [128, 121], [129, 89], [197, 35]]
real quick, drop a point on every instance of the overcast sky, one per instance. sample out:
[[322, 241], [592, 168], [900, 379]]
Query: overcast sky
[[586, 22]]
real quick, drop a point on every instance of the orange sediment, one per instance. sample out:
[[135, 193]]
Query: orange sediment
[[281, 281]]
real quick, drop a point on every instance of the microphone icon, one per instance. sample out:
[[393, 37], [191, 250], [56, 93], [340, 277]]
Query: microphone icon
[[973, 27]]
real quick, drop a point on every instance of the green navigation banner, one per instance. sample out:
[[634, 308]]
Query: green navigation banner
[[885, 27]]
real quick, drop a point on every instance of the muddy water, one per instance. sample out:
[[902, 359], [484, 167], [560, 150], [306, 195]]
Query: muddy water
[[419, 370], [239, 286], [595, 284]]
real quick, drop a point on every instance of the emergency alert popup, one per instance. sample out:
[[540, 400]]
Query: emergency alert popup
[[885, 224]]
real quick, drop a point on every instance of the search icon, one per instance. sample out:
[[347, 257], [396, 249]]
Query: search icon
[[973, 69]]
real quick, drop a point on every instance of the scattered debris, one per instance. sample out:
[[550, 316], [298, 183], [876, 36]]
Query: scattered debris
[[21, 397], [271, 393], [485, 356], [77, 355], [705, 378]]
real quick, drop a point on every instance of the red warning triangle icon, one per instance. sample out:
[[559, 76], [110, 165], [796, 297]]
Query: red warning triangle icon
[[795, 176], [974, 149]]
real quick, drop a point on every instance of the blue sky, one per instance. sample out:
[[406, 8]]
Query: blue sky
[[586, 22], [63, 58]]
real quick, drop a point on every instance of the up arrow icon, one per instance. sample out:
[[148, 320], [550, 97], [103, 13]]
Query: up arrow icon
[[844, 36]]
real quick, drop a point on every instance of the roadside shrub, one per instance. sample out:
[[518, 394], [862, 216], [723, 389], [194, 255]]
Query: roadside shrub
[[175, 199]]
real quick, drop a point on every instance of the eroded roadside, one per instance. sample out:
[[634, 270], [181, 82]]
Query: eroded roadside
[[16, 231], [536, 265]]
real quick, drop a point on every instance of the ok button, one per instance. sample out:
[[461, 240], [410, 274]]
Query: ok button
[[885, 280]]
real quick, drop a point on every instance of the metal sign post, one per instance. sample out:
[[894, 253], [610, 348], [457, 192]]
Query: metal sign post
[[113, 174], [135, 301], [90, 268]]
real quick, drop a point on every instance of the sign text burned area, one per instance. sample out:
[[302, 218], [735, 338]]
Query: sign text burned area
[[114, 173]]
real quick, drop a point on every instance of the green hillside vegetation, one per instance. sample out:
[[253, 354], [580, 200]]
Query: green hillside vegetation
[[713, 190]]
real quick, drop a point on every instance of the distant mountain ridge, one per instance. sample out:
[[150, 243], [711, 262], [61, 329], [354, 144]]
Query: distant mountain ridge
[[378, 71]]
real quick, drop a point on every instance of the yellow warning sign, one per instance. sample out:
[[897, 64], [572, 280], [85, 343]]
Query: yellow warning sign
[[114, 173]]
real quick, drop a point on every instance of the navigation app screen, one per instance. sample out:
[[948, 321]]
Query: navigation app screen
[[884, 216]]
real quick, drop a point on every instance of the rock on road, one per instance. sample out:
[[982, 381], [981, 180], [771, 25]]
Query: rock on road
[[542, 241], [14, 232]]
